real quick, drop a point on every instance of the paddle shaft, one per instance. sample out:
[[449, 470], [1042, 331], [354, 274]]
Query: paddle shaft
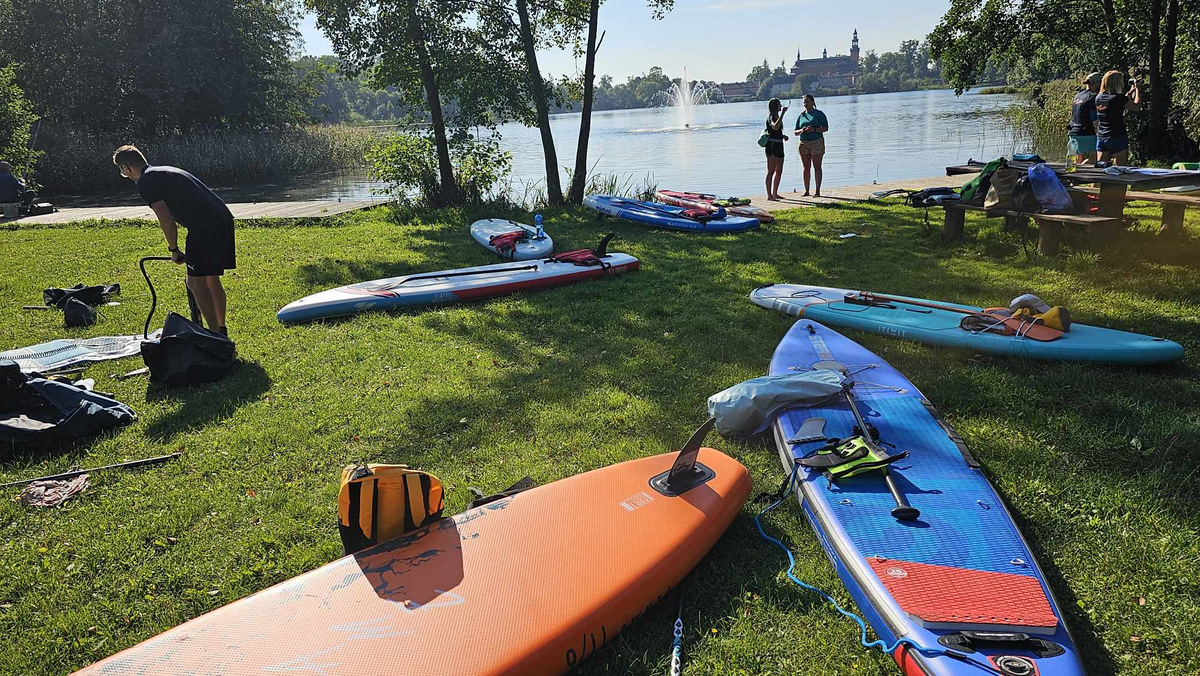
[[903, 511], [1021, 326], [464, 274], [75, 473]]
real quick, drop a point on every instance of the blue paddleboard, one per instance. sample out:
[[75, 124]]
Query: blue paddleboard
[[960, 576], [1082, 343], [665, 215]]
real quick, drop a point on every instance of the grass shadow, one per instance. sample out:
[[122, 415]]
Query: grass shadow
[[203, 404]]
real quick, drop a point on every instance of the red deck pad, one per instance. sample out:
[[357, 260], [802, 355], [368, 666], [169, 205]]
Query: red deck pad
[[963, 597]]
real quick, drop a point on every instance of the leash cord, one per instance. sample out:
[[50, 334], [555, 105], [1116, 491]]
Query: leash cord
[[862, 625]]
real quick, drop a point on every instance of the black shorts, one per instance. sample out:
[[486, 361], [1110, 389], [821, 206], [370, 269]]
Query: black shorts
[[775, 149], [210, 250]]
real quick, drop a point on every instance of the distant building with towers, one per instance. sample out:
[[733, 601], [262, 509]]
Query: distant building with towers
[[828, 73], [832, 72]]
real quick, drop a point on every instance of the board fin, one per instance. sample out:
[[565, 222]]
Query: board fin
[[686, 473], [602, 250]]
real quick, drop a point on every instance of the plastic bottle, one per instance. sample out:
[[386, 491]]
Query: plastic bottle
[[1070, 162], [538, 221]]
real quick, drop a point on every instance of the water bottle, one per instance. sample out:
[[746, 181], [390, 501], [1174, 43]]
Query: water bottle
[[1070, 162], [538, 221]]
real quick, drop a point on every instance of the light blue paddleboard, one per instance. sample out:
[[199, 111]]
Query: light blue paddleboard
[[1082, 343], [665, 215]]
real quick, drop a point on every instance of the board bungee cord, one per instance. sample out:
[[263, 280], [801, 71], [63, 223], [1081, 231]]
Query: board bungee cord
[[890, 650]]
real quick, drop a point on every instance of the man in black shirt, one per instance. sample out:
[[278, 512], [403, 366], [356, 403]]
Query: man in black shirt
[[178, 198], [1081, 133]]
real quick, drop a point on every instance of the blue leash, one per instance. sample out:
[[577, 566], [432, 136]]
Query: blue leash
[[862, 625]]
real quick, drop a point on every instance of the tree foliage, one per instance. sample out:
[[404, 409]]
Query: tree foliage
[[144, 69], [1041, 40], [16, 122]]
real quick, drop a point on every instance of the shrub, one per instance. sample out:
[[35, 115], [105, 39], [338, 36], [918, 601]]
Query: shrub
[[408, 164]]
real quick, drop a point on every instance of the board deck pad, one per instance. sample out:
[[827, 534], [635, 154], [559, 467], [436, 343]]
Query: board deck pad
[[962, 565], [532, 583], [964, 598]]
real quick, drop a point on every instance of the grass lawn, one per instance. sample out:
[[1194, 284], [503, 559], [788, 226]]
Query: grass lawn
[[1098, 463]]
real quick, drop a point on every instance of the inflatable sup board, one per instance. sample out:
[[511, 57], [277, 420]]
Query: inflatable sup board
[[452, 286], [531, 584], [923, 324], [665, 215], [956, 575], [697, 200], [524, 248]]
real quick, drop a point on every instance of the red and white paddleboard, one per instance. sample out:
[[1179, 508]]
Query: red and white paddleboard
[[452, 286], [696, 200]]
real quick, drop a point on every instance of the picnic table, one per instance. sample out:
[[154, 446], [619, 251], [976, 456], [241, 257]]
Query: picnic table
[[1113, 190]]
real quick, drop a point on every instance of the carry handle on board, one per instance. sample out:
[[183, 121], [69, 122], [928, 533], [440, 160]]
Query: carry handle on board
[[193, 309]]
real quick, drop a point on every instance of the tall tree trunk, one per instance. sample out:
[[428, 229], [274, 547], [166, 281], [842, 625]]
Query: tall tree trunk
[[579, 178], [537, 88], [1114, 36], [449, 189], [1158, 114]]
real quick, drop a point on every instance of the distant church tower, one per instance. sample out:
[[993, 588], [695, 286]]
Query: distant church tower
[[854, 48], [824, 53]]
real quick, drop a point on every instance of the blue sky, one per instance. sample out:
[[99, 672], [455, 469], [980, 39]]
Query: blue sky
[[722, 39]]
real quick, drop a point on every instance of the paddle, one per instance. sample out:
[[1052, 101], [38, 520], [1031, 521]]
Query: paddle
[[75, 473], [903, 511], [674, 214], [1021, 327]]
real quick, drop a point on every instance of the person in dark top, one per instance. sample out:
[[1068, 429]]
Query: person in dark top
[[775, 141], [1112, 141], [178, 198], [1081, 133], [12, 189]]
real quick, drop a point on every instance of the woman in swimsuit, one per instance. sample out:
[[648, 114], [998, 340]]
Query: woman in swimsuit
[[775, 141]]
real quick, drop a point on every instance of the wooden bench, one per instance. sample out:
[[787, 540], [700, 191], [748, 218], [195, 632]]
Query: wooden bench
[[1049, 225], [1173, 203]]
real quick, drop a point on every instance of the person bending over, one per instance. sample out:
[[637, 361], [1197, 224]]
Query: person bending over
[[775, 154], [1112, 141], [178, 198], [1081, 133], [811, 125]]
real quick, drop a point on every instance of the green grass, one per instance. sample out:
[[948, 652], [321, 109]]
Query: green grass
[[1098, 463]]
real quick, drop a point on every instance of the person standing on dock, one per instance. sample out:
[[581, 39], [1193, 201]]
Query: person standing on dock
[[775, 154], [1081, 133], [178, 198], [811, 125]]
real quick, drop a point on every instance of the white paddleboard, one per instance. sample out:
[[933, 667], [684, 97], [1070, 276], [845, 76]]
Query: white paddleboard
[[526, 249]]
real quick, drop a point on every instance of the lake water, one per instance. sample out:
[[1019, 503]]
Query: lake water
[[872, 137]]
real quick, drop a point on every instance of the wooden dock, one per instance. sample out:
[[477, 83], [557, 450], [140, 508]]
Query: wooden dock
[[850, 193], [242, 211]]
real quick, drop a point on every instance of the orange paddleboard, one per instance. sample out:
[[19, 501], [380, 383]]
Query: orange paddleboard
[[533, 583]]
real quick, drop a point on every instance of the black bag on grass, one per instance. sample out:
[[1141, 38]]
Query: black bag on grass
[[78, 313], [91, 295], [35, 412], [188, 354]]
